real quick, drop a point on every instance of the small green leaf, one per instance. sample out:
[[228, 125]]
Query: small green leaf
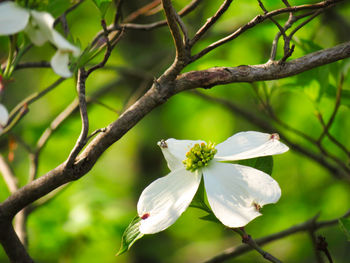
[[130, 235], [212, 218], [264, 164], [344, 224], [199, 200], [102, 5]]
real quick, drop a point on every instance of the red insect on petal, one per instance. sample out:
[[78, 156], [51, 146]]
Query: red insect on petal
[[145, 216]]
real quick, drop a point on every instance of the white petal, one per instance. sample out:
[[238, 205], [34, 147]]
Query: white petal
[[40, 27], [251, 144], [36, 36], [12, 18], [164, 200], [4, 116], [59, 64], [174, 151], [234, 191], [61, 43]]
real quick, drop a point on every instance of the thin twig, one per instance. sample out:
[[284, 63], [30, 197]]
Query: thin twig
[[170, 14], [247, 239], [211, 21], [186, 10], [184, 30], [314, 15], [84, 118], [314, 243], [110, 46], [335, 110], [65, 13], [8, 175], [118, 12], [141, 11], [32, 98], [38, 64]]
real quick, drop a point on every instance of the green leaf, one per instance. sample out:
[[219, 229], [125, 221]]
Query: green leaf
[[344, 224], [57, 7], [130, 235], [212, 218], [102, 5], [264, 164], [199, 200]]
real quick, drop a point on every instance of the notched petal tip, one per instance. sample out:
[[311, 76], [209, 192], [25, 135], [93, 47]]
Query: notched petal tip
[[162, 144], [275, 136], [257, 206], [60, 64]]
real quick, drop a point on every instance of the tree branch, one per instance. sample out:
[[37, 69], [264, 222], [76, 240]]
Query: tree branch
[[12, 245], [306, 226], [162, 90], [268, 71]]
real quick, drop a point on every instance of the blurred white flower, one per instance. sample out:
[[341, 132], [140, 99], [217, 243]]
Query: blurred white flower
[[4, 116], [39, 26], [235, 192]]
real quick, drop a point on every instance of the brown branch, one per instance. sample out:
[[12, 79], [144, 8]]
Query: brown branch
[[12, 245], [303, 227], [268, 71], [259, 19]]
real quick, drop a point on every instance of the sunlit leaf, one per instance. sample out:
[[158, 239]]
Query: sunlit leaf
[[58, 7], [344, 224], [212, 218], [130, 235], [264, 164], [102, 5], [199, 200]]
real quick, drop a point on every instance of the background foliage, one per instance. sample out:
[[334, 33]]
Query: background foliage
[[86, 221]]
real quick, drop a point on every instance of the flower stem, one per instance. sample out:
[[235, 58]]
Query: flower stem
[[12, 49]]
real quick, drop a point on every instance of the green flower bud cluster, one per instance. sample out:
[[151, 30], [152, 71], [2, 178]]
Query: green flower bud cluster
[[199, 156]]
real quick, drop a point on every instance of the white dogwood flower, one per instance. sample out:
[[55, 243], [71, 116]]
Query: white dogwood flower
[[39, 26], [4, 116], [235, 192]]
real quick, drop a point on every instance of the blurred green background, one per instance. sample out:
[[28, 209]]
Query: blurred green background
[[85, 222]]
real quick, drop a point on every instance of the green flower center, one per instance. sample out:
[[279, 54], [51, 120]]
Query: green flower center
[[199, 156]]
